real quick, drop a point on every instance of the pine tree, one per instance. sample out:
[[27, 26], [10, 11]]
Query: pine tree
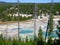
[[40, 37], [50, 29], [26, 39], [40, 34], [50, 26]]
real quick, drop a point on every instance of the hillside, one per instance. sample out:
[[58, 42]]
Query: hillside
[[29, 7]]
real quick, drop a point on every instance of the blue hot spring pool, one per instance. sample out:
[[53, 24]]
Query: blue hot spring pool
[[23, 31], [26, 31]]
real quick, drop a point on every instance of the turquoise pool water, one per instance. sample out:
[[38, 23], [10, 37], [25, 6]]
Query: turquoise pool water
[[53, 34], [23, 31], [26, 31]]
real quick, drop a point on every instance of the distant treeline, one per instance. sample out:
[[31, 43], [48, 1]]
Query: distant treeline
[[29, 7]]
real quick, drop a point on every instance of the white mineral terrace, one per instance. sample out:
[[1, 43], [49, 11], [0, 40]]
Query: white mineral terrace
[[25, 25]]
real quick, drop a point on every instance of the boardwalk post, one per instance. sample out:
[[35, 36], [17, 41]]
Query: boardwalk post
[[18, 18]]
